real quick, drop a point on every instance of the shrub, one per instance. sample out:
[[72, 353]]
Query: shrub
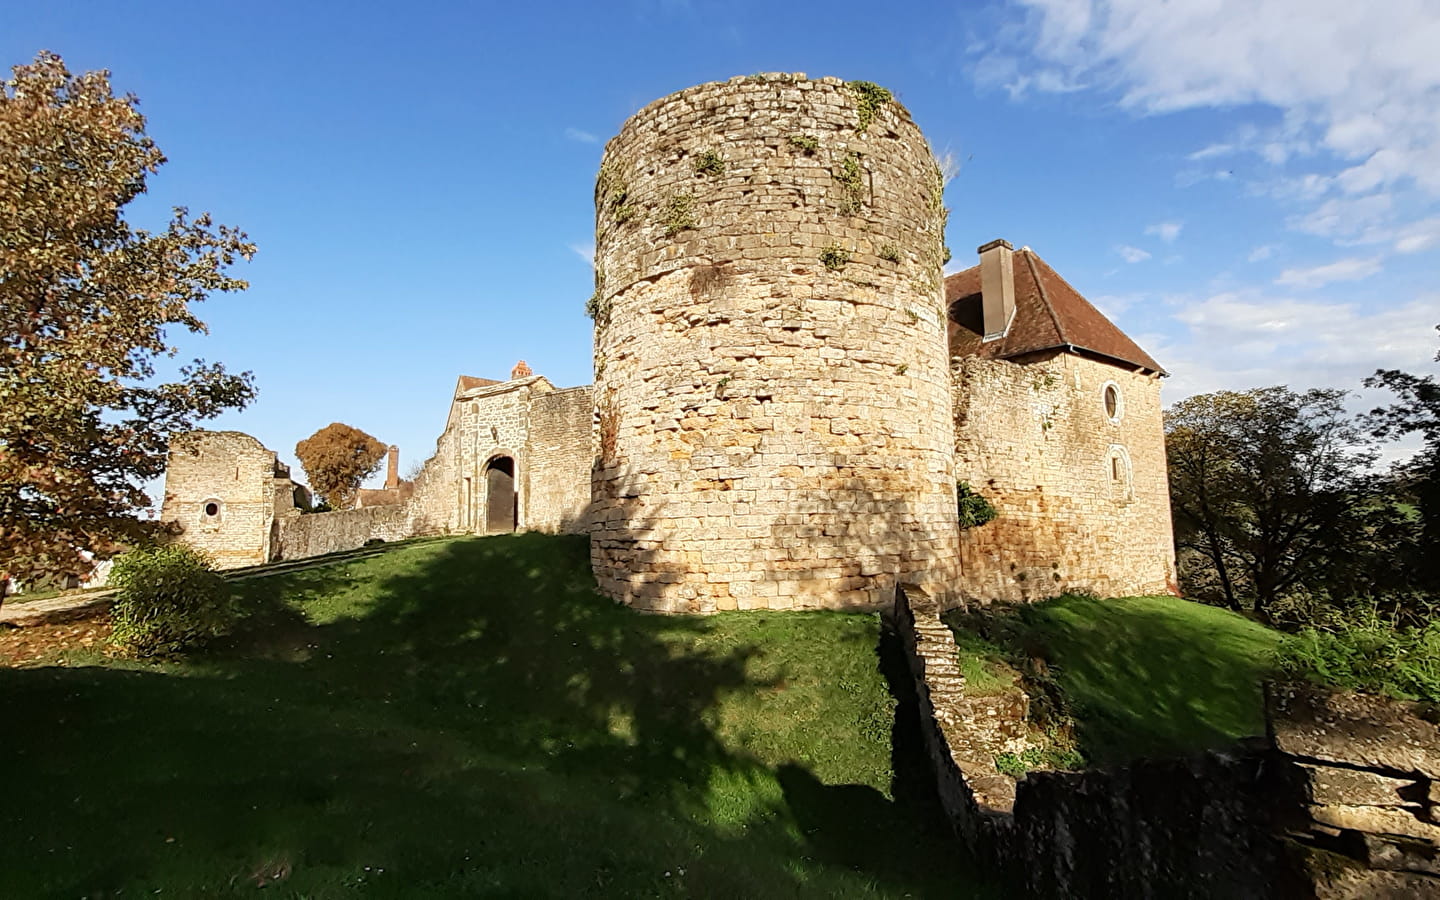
[[834, 257], [1367, 656], [974, 509], [169, 600]]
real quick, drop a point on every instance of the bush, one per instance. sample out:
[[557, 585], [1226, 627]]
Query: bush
[[974, 509], [1368, 656], [169, 600]]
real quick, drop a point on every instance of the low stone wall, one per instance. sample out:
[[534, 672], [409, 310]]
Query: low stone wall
[[314, 534], [1340, 800]]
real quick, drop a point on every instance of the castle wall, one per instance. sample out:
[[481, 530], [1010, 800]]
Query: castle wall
[[236, 474], [296, 537], [1035, 439], [774, 430], [492, 422], [433, 507], [559, 454]]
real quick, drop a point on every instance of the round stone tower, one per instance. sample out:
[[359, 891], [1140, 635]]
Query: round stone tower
[[771, 380]]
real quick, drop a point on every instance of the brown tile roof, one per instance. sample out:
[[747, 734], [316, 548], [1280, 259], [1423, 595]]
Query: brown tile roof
[[1049, 315], [470, 381]]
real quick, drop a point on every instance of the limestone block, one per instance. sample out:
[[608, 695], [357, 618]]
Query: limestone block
[[1353, 729]]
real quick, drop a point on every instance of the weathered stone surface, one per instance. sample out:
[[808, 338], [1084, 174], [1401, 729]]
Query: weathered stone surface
[[1388, 852], [1353, 729], [1365, 884], [1376, 820], [547, 435], [772, 387], [1329, 785], [223, 489], [1083, 498]]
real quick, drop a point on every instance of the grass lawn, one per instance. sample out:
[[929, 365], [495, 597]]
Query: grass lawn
[[1146, 676], [469, 717]]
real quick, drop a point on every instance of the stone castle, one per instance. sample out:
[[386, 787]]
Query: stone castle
[[787, 391]]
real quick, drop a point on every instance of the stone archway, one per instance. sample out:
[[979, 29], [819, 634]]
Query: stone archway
[[502, 502]]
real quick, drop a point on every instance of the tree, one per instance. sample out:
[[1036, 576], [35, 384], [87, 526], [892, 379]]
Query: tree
[[1272, 491], [85, 301], [337, 458], [1417, 411]]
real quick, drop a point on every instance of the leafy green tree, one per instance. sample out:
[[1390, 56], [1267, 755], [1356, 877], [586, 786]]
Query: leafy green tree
[[1272, 492], [1416, 412], [85, 301], [337, 459]]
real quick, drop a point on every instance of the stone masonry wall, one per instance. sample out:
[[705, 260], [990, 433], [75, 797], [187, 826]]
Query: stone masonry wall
[[772, 388], [1083, 500], [434, 504], [296, 537], [236, 473], [493, 422], [559, 454]]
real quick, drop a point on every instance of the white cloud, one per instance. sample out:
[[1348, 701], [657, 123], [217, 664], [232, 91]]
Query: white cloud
[[1358, 87], [1213, 150], [1261, 253], [1350, 269], [1244, 339], [583, 137], [1165, 231], [585, 251], [1132, 254]]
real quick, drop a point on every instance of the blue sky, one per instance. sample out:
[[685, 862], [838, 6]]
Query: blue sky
[[1250, 190]]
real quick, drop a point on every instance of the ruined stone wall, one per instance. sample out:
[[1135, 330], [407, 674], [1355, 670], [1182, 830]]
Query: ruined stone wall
[[433, 507], [772, 388], [236, 474], [296, 537], [1082, 497], [558, 457]]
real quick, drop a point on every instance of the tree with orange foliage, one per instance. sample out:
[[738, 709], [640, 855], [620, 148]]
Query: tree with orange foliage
[[85, 304], [337, 459]]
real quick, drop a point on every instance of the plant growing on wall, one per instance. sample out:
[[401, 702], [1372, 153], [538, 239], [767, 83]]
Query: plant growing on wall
[[87, 304], [870, 98], [337, 458], [806, 142], [597, 307], [974, 509], [834, 257], [851, 179], [679, 214], [709, 163]]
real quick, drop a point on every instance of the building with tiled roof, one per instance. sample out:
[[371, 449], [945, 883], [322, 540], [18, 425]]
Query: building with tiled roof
[[1057, 424]]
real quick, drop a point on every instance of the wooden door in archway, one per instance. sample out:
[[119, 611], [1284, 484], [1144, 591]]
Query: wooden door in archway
[[501, 501]]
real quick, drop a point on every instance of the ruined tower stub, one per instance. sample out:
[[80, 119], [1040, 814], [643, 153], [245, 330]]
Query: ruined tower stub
[[772, 389]]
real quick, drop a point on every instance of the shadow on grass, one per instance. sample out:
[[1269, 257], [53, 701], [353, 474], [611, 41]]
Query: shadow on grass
[[466, 717], [1145, 676]]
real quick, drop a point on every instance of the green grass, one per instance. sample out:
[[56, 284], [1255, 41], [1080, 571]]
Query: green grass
[[468, 717], [984, 665], [1145, 676]]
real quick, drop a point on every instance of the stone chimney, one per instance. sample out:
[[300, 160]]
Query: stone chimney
[[997, 287], [520, 371], [392, 470]]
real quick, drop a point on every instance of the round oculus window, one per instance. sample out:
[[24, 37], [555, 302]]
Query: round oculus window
[[1112, 402], [212, 508]]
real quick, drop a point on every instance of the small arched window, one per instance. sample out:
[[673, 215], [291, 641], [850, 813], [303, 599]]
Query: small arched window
[[1114, 403], [1121, 477], [212, 512]]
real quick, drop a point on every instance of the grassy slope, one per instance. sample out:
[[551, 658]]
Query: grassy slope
[[468, 716], [1150, 676]]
